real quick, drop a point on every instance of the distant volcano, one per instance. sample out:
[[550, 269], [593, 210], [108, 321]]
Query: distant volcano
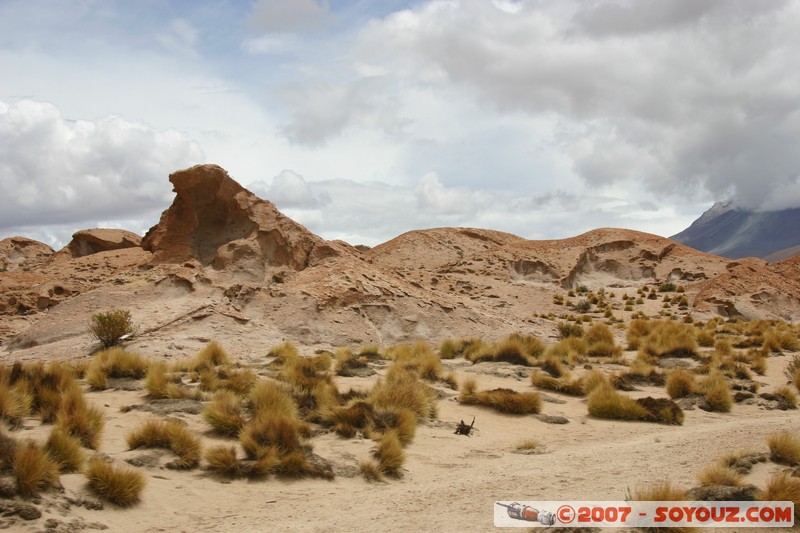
[[733, 232]]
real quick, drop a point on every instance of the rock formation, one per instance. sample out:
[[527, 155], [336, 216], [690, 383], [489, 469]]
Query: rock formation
[[92, 241], [19, 253], [219, 223], [223, 263]]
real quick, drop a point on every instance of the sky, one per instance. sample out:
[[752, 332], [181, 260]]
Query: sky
[[364, 119]]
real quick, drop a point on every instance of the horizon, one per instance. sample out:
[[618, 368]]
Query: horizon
[[364, 120]]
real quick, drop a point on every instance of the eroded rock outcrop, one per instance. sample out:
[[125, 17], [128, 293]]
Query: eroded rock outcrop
[[219, 223], [92, 241], [20, 253]]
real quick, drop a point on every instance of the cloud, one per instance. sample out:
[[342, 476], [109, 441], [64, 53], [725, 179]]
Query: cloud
[[685, 96], [321, 111], [288, 190], [272, 43], [284, 16], [433, 197], [55, 171]]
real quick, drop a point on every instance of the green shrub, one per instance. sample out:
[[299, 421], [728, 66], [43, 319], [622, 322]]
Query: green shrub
[[111, 326]]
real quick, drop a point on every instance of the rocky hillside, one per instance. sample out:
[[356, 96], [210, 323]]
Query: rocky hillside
[[225, 264], [734, 233]]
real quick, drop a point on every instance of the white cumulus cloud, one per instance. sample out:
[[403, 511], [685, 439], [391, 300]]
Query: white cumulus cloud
[[56, 171]]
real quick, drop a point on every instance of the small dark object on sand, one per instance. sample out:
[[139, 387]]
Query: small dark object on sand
[[463, 429]]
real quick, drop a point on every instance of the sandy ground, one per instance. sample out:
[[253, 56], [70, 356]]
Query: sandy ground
[[450, 481]]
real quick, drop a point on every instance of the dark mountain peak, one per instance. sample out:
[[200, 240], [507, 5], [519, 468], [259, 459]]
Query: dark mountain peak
[[733, 232]]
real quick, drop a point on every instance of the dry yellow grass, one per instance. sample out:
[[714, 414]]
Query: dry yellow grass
[[784, 448], [390, 454], [717, 392], [172, 435], [115, 363], [224, 413], [782, 487], [370, 469], [118, 485], [564, 385], [719, 474], [15, 404], [527, 444], [788, 395], [502, 400], [270, 397], [33, 469], [593, 379], [670, 339], [664, 491], [65, 450], [267, 431], [79, 419], [605, 402], [221, 459], [404, 391], [680, 383]]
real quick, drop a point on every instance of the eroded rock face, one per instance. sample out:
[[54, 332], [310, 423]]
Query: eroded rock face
[[219, 223], [19, 253], [91, 241]]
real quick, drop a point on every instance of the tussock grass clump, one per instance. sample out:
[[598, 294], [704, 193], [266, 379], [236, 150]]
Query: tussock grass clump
[[637, 329], [114, 363], [784, 448], [570, 349], [719, 474], [240, 380], [605, 402], [370, 469], [502, 400], [664, 491], [449, 349], [347, 363], [221, 459], [527, 444], [552, 365], [119, 485], [270, 397], [267, 431], [282, 353], [788, 395], [224, 413], [717, 392], [109, 327], [792, 371], [15, 404], [564, 384], [783, 487], [65, 450], [79, 419], [661, 410], [593, 379], [568, 329], [670, 339], [390, 455], [418, 359], [517, 348], [210, 356], [160, 384], [402, 390], [601, 343], [33, 469], [171, 435], [705, 338], [297, 464], [680, 383]]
